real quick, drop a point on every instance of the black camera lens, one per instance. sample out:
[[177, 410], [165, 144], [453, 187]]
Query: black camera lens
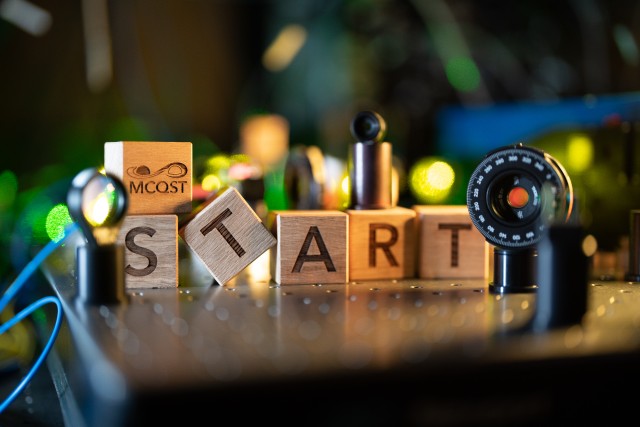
[[368, 126]]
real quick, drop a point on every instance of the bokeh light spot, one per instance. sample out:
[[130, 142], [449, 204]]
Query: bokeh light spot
[[579, 153], [218, 162], [211, 182], [8, 189], [430, 180], [57, 220], [589, 245], [463, 73]]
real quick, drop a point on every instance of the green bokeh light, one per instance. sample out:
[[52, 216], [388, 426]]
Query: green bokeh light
[[57, 220], [275, 195], [463, 74], [34, 219], [8, 189]]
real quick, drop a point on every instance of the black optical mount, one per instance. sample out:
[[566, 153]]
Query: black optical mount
[[370, 163], [368, 126], [513, 195], [98, 203]]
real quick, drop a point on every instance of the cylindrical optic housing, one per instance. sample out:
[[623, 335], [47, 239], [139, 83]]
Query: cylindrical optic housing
[[101, 274], [514, 271], [370, 163], [370, 175], [562, 278], [633, 274]]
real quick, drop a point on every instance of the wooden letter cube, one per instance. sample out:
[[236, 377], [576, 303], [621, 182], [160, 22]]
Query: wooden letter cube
[[450, 245], [312, 246], [226, 234], [157, 175], [381, 243], [151, 250]]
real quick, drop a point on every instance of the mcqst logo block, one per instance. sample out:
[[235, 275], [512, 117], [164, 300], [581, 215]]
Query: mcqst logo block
[[157, 175]]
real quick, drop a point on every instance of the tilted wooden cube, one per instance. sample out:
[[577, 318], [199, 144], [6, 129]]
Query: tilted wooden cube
[[157, 175], [226, 234], [312, 246], [151, 251], [381, 243], [450, 245]]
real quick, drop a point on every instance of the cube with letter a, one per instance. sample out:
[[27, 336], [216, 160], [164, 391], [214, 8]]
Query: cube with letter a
[[381, 243], [157, 175], [450, 246], [151, 251], [226, 234], [312, 246]]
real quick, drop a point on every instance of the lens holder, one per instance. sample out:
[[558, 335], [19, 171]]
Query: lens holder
[[512, 196], [370, 163], [98, 203], [368, 126]]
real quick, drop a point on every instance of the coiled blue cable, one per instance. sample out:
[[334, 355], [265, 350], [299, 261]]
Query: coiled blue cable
[[8, 295]]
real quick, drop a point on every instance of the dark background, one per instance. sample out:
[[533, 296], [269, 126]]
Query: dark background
[[192, 70]]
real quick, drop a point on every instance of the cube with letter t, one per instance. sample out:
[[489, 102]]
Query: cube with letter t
[[450, 246], [226, 234]]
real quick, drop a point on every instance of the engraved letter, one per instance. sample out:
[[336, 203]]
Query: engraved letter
[[324, 256], [133, 188], [147, 253], [385, 246], [455, 234], [218, 225]]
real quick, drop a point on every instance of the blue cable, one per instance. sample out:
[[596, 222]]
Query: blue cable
[[33, 265], [12, 290], [45, 351]]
